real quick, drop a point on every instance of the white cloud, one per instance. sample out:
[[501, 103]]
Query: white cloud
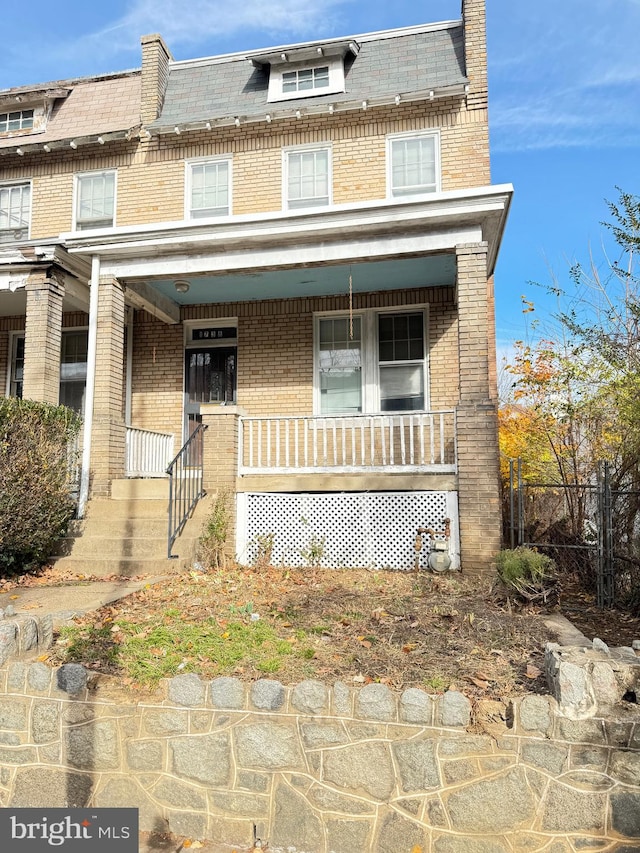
[[206, 21]]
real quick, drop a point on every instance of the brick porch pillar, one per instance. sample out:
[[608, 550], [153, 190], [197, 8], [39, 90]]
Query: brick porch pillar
[[477, 422], [221, 442], [43, 338], [108, 433]]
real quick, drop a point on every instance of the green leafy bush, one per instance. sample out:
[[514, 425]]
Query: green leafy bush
[[35, 501], [528, 573]]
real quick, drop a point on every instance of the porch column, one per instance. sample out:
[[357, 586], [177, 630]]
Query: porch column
[[43, 338], [108, 431], [477, 422]]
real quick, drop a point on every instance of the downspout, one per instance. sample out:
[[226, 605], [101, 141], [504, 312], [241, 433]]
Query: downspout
[[91, 384]]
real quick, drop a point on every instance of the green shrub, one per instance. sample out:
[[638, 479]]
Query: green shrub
[[35, 501], [527, 572]]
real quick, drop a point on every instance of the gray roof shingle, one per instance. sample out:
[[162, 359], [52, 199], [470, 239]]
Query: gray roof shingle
[[402, 64]]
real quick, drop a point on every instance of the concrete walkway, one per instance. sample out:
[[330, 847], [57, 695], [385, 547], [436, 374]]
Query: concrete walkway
[[69, 598]]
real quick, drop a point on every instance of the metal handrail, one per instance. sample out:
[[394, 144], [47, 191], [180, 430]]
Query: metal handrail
[[185, 484]]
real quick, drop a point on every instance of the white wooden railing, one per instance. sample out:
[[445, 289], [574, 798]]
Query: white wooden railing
[[424, 441], [148, 453]]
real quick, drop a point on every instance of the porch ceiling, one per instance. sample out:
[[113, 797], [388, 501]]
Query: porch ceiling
[[327, 280]]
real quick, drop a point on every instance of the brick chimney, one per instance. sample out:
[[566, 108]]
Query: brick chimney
[[156, 57], [475, 52]]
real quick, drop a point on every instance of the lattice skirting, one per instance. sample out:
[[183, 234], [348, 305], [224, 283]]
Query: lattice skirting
[[348, 529]]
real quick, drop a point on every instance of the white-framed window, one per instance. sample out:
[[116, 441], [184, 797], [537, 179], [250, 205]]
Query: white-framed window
[[95, 200], [16, 371], [15, 212], [306, 79], [307, 177], [413, 163], [208, 188], [73, 368], [373, 361], [16, 120]]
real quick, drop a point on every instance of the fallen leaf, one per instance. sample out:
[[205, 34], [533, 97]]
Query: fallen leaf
[[13, 597], [533, 671], [483, 685], [483, 676], [409, 647]]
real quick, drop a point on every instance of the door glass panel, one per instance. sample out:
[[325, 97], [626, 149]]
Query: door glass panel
[[211, 375]]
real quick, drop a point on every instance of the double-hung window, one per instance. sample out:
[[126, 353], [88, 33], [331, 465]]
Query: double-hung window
[[15, 212], [95, 200], [73, 369], [413, 164], [374, 361], [208, 186], [307, 177]]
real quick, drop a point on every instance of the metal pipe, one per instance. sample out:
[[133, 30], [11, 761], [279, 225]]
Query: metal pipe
[[91, 384]]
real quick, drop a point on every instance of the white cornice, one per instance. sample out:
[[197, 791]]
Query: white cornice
[[483, 208]]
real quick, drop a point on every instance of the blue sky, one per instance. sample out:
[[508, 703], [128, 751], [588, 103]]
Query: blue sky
[[564, 92]]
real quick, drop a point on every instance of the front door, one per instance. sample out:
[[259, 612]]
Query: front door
[[210, 377]]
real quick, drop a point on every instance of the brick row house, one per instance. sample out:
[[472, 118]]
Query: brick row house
[[293, 247]]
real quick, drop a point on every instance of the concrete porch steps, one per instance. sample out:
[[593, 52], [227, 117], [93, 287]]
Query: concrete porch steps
[[126, 535]]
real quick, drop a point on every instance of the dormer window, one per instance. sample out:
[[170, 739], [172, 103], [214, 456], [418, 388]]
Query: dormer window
[[306, 71], [305, 79], [17, 120]]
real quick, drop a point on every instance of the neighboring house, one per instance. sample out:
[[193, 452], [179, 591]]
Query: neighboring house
[[294, 246]]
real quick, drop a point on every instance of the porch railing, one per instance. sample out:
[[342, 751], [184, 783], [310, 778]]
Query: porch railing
[[185, 483], [147, 452], [420, 442]]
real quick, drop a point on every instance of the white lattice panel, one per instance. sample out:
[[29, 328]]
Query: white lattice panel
[[372, 529]]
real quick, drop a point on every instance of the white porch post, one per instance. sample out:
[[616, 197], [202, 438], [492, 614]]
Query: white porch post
[[91, 383]]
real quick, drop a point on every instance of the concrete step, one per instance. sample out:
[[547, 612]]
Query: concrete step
[[116, 547], [123, 567], [135, 490], [143, 508], [106, 525]]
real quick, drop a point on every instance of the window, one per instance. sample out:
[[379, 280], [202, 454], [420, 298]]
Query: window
[[208, 188], [372, 362], [17, 366], [308, 178], [413, 164], [15, 212], [73, 369], [401, 361], [18, 120], [340, 363], [95, 200], [306, 79]]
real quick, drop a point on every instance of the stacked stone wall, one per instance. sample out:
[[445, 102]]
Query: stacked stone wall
[[322, 769]]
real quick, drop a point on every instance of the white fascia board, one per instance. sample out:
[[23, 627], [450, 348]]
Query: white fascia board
[[274, 257], [444, 207]]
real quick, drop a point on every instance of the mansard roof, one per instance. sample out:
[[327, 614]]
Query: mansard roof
[[409, 64], [79, 109]]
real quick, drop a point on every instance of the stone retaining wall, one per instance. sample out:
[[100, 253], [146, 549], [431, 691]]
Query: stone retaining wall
[[320, 769]]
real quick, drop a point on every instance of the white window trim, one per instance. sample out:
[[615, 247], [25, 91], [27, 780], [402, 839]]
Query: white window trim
[[76, 181], [417, 134], [336, 79], [16, 333], [21, 183], [370, 365], [202, 161], [300, 149]]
